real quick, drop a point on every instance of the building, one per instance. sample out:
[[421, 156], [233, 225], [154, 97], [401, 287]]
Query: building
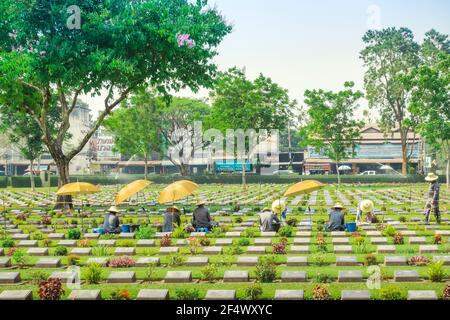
[[374, 149]]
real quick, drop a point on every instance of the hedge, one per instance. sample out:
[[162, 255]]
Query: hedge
[[3, 182], [24, 182]]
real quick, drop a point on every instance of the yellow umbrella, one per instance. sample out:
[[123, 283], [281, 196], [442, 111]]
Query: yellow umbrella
[[76, 188], [131, 189], [303, 187], [177, 190]]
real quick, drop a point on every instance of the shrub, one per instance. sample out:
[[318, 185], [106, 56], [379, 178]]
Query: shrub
[[50, 289], [250, 232], [418, 261], [194, 245], [204, 241], [322, 278], [321, 244], [234, 250], [243, 242], [292, 222], [238, 220], [208, 272], [73, 260], [179, 232], [150, 271], [398, 238], [37, 276], [84, 243], [175, 260], [279, 248], [321, 292], [437, 238], [8, 243], [120, 294], [93, 273], [121, 262], [46, 220], [253, 291], [100, 251], [318, 259], [60, 251], [74, 234], [402, 219], [187, 294], [37, 236], [286, 231], [266, 270], [11, 251], [446, 293], [370, 260], [359, 240], [47, 243], [436, 272], [391, 293], [165, 241], [389, 231], [126, 243]]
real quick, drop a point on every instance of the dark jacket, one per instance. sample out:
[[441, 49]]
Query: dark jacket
[[336, 222], [269, 221], [433, 192], [111, 223], [169, 219], [201, 218]]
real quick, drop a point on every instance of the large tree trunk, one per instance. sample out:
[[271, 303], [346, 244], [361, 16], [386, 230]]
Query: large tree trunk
[[244, 180], [63, 170], [184, 169], [145, 167], [404, 153], [33, 186], [338, 174]]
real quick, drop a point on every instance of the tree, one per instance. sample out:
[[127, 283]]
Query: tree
[[177, 128], [430, 102], [119, 46], [332, 129], [135, 127], [239, 103], [389, 55]]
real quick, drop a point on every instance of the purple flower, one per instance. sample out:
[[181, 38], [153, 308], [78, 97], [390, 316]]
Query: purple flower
[[184, 39]]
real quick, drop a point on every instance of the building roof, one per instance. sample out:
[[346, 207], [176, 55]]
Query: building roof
[[371, 133]]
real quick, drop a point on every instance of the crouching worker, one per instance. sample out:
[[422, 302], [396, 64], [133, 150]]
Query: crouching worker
[[336, 219], [201, 218], [111, 223], [269, 221], [365, 207], [171, 218]]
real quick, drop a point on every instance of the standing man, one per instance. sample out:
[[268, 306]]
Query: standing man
[[433, 198]]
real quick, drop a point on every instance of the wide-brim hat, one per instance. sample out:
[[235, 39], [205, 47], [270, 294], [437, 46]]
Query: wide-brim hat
[[113, 209], [366, 206], [278, 206], [431, 177], [338, 205], [200, 202], [265, 209], [173, 208]]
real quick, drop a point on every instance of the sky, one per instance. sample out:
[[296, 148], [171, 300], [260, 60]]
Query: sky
[[311, 44]]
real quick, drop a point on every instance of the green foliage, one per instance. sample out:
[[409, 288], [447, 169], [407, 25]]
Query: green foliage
[[318, 259], [436, 271], [179, 232], [61, 251], [370, 260], [286, 231], [175, 260], [266, 270], [389, 231], [145, 232], [234, 250], [391, 293], [8, 243], [253, 291], [101, 251], [73, 260], [37, 276], [243, 242], [250, 232], [20, 258], [74, 234], [93, 273], [187, 294], [209, 271], [323, 278]]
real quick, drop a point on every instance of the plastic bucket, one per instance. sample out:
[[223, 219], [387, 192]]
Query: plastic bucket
[[126, 228], [351, 227], [98, 230]]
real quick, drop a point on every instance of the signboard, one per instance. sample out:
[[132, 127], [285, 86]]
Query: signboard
[[230, 166]]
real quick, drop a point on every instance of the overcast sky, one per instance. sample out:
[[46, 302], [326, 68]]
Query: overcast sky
[[311, 44]]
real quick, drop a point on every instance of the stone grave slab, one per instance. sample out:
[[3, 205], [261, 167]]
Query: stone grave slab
[[56, 236], [446, 259], [81, 251], [232, 234], [343, 249], [126, 235], [379, 240], [122, 277], [153, 294], [220, 295], [85, 295], [422, 295], [293, 276], [92, 236], [48, 263], [67, 243], [125, 251], [9, 277], [417, 240], [197, 261], [212, 250], [406, 276], [224, 242], [395, 261], [346, 261], [181, 243], [373, 234], [168, 250], [268, 234], [338, 241], [301, 241], [297, 261], [431, 248], [27, 243], [338, 234], [21, 236], [288, 294], [178, 276], [247, 261], [16, 295], [256, 250], [299, 249], [263, 242], [65, 276], [350, 276], [107, 243], [303, 234], [355, 295], [386, 249], [5, 262], [101, 261], [236, 276], [37, 252]]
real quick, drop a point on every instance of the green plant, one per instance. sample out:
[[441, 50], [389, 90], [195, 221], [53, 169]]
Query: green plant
[[322, 278], [37, 235], [93, 273], [402, 219], [60, 251], [179, 232], [436, 271], [20, 258], [318, 259], [50, 289], [73, 260], [8, 243], [391, 293], [121, 262], [187, 294], [437, 238], [266, 270], [234, 250], [74, 234], [253, 291], [150, 271], [165, 241], [250, 232], [446, 292], [418, 261], [370, 260], [321, 292], [204, 241], [128, 243], [398, 238], [321, 244], [47, 242], [101, 251], [37, 276], [389, 231], [286, 231], [175, 260], [209, 271], [292, 222], [243, 242]]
